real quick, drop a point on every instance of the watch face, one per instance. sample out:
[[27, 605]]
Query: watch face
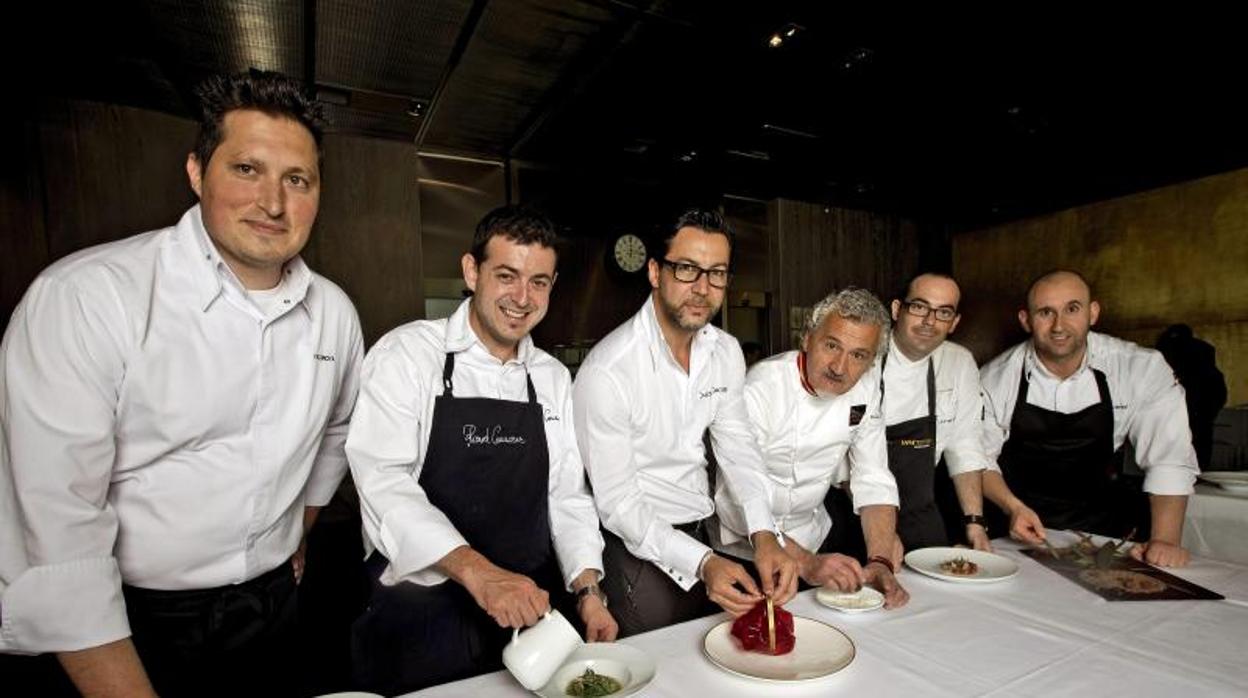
[[630, 253]]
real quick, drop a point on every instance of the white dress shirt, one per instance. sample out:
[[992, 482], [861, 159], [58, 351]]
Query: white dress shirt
[[159, 429], [1148, 404], [390, 435], [639, 421], [808, 445], [959, 405]]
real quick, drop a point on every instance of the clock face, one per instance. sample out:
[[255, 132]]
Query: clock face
[[630, 253]]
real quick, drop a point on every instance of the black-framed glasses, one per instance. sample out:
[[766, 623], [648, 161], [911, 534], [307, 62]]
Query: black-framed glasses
[[920, 309], [690, 273]]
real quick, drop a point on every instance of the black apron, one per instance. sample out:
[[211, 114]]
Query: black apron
[[910, 446], [1064, 466], [488, 469]]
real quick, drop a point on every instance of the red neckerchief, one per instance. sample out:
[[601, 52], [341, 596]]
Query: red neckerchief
[[801, 373]]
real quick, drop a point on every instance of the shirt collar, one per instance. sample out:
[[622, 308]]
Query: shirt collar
[[210, 273], [1033, 363], [704, 340], [460, 337], [896, 357], [801, 374]]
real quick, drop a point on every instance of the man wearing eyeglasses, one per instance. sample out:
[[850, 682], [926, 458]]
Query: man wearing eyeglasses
[[1060, 406], [643, 399], [933, 410]]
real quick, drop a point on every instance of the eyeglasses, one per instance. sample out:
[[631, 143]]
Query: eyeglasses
[[920, 309], [690, 273]]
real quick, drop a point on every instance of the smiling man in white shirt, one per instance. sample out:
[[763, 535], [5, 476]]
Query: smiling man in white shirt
[[174, 407], [1061, 405], [471, 488], [816, 417], [933, 409], [644, 397]]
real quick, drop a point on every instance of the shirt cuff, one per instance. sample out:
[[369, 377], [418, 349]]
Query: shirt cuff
[[758, 516], [64, 607], [959, 463], [1169, 479], [681, 557], [872, 495], [414, 544], [327, 474]]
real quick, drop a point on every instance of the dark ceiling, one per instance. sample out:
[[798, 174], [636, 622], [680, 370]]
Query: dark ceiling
[[963, 120]]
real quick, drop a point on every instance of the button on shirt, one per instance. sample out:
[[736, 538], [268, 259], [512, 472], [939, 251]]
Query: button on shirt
[[1148, 404], [959, 406], [390, 435], [808, 445], [159, 429], [639, 422]]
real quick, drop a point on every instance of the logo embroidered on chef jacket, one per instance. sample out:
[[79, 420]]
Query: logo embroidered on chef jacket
[[856, 413]]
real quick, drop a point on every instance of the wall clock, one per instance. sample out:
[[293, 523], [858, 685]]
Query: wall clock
[[629, 253]]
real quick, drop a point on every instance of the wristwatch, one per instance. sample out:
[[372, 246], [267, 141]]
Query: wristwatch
[[969, 519], [591, 590]]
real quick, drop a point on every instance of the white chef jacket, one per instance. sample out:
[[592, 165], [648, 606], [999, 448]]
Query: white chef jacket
[[390, 432], [1148, 404], [639, 421], [959, 405], [808, 445], [158, 429]]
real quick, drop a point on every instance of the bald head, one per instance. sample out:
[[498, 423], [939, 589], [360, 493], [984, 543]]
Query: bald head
[[1063, 278]]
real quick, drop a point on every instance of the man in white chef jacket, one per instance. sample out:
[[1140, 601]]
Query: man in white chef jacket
[[644, 398], [1060, 406], [933, 409], [815, 414]]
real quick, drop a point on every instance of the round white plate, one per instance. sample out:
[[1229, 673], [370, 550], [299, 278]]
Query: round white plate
[[820, 650], [1235, 482], [625, 663], [865, 599], [992, 567]]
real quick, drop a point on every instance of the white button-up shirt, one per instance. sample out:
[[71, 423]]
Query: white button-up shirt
[[810, 443], [1148, 403], [639, 421], [159, 429], [390, 436], [959, 405]]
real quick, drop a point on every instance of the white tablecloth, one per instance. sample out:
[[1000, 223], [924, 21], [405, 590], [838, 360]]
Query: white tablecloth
[[1216, 524], [1034, 635]]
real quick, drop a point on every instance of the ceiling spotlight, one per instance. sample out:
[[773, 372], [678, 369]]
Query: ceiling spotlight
[[416, 109], [688, 156], [788, 31]]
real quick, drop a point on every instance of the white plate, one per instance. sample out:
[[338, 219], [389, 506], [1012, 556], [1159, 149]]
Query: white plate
[[1235, 482], [865, 599], [820, 650], [625, 663], [992, 567]]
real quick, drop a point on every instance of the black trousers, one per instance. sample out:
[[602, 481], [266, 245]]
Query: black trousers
[[231, 640], [234, 640], [642, 597]]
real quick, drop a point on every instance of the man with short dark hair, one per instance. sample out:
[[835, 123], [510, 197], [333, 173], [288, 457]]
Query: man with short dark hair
[[471, 487], [174, 407], [933, 411], [645, 396], [1060, 405]]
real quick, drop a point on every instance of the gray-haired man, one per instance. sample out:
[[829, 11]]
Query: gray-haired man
[[816, 416]]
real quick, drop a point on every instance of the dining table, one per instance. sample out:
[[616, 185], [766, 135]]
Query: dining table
[[1216, 523], [1033, 634]]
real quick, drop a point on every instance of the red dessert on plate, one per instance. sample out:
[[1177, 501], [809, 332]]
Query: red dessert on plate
[[754, 634]]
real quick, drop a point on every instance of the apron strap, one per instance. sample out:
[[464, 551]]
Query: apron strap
[[448, 368], [931, 383]]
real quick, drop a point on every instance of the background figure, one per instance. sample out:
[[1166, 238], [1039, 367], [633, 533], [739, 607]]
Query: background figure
[[1195, 365]]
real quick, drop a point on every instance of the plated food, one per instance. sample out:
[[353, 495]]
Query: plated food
[[756, 631], [861, 601], [959, 566], [593, 685]]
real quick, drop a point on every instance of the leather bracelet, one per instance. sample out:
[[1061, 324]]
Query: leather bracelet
[[883, 561]]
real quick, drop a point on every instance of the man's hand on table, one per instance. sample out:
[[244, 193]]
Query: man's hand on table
[[977, 536], [1025, 525], [600, 625], [882, 578], [1161, 553]]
